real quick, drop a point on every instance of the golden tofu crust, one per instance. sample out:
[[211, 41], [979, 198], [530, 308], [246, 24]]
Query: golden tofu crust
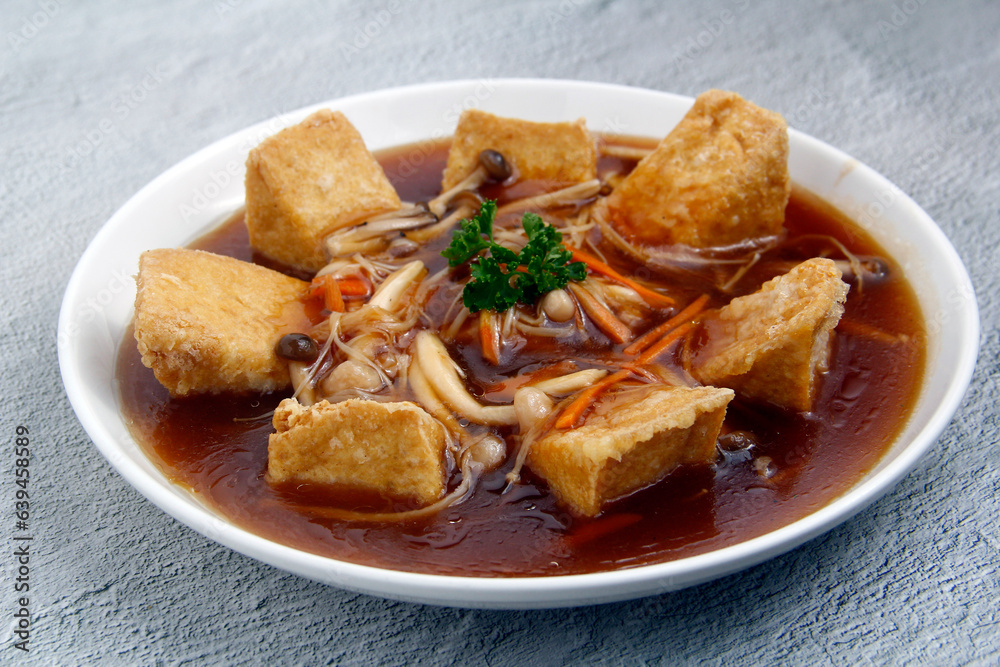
[[206, 323], [635, 444], [310, 180], [719, 178], [395, 449], [771, 345], [559, 153]]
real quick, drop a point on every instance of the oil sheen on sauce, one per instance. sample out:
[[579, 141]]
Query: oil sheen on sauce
[[217, 445]]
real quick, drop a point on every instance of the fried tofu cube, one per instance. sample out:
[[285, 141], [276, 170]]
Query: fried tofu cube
[[559, 153], [307, 181], [719, 178], [772, 345], [395, 449], [206, 323], [639, 442]]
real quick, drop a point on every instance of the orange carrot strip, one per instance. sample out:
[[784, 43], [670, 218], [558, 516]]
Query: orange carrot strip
[[601, 527], [317, 286], [354, 286], [488, 337], [646, 339], [597, 266], [661, 346], [332, 298], [605, 320], [327, 288], [573, 413]]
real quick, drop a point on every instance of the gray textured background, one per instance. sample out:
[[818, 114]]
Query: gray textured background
[[96, 99]]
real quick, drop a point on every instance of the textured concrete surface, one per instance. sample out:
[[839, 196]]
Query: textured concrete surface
[[97, 98]]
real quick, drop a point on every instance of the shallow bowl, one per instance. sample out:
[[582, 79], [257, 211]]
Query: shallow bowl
[[206, 188]]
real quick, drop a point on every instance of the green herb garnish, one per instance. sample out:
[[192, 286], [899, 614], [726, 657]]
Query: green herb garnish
[[502, 277]]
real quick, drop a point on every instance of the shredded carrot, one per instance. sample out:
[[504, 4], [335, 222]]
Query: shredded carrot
[[332, 298], [679, 325], [574, 412], [326, 287], [597, 266], [605, 320], [317, 286], [354, 286], [333, 290], [489, 337], [661, 346], [601, 527], [647, 339]]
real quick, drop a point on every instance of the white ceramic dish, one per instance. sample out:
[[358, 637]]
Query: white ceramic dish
[[200, 192]]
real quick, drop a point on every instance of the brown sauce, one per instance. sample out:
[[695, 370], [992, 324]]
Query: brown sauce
[[799, 462]]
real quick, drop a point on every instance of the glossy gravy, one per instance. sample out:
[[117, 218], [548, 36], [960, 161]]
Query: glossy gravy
[[797, 463]]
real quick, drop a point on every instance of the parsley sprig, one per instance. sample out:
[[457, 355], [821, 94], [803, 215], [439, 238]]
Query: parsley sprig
[[501, 277]]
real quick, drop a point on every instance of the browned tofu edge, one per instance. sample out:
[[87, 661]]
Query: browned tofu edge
[[206, 323], [776, 357], [561, 153], [720, 177], [395, 449], [307, 181], [613, 455]]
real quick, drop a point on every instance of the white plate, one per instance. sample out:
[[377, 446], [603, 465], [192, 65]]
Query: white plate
[[204, 189]]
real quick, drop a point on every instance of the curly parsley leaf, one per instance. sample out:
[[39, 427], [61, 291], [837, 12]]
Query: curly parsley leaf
[[468, 241], [547, 260], [501, 277], [490, 287]]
